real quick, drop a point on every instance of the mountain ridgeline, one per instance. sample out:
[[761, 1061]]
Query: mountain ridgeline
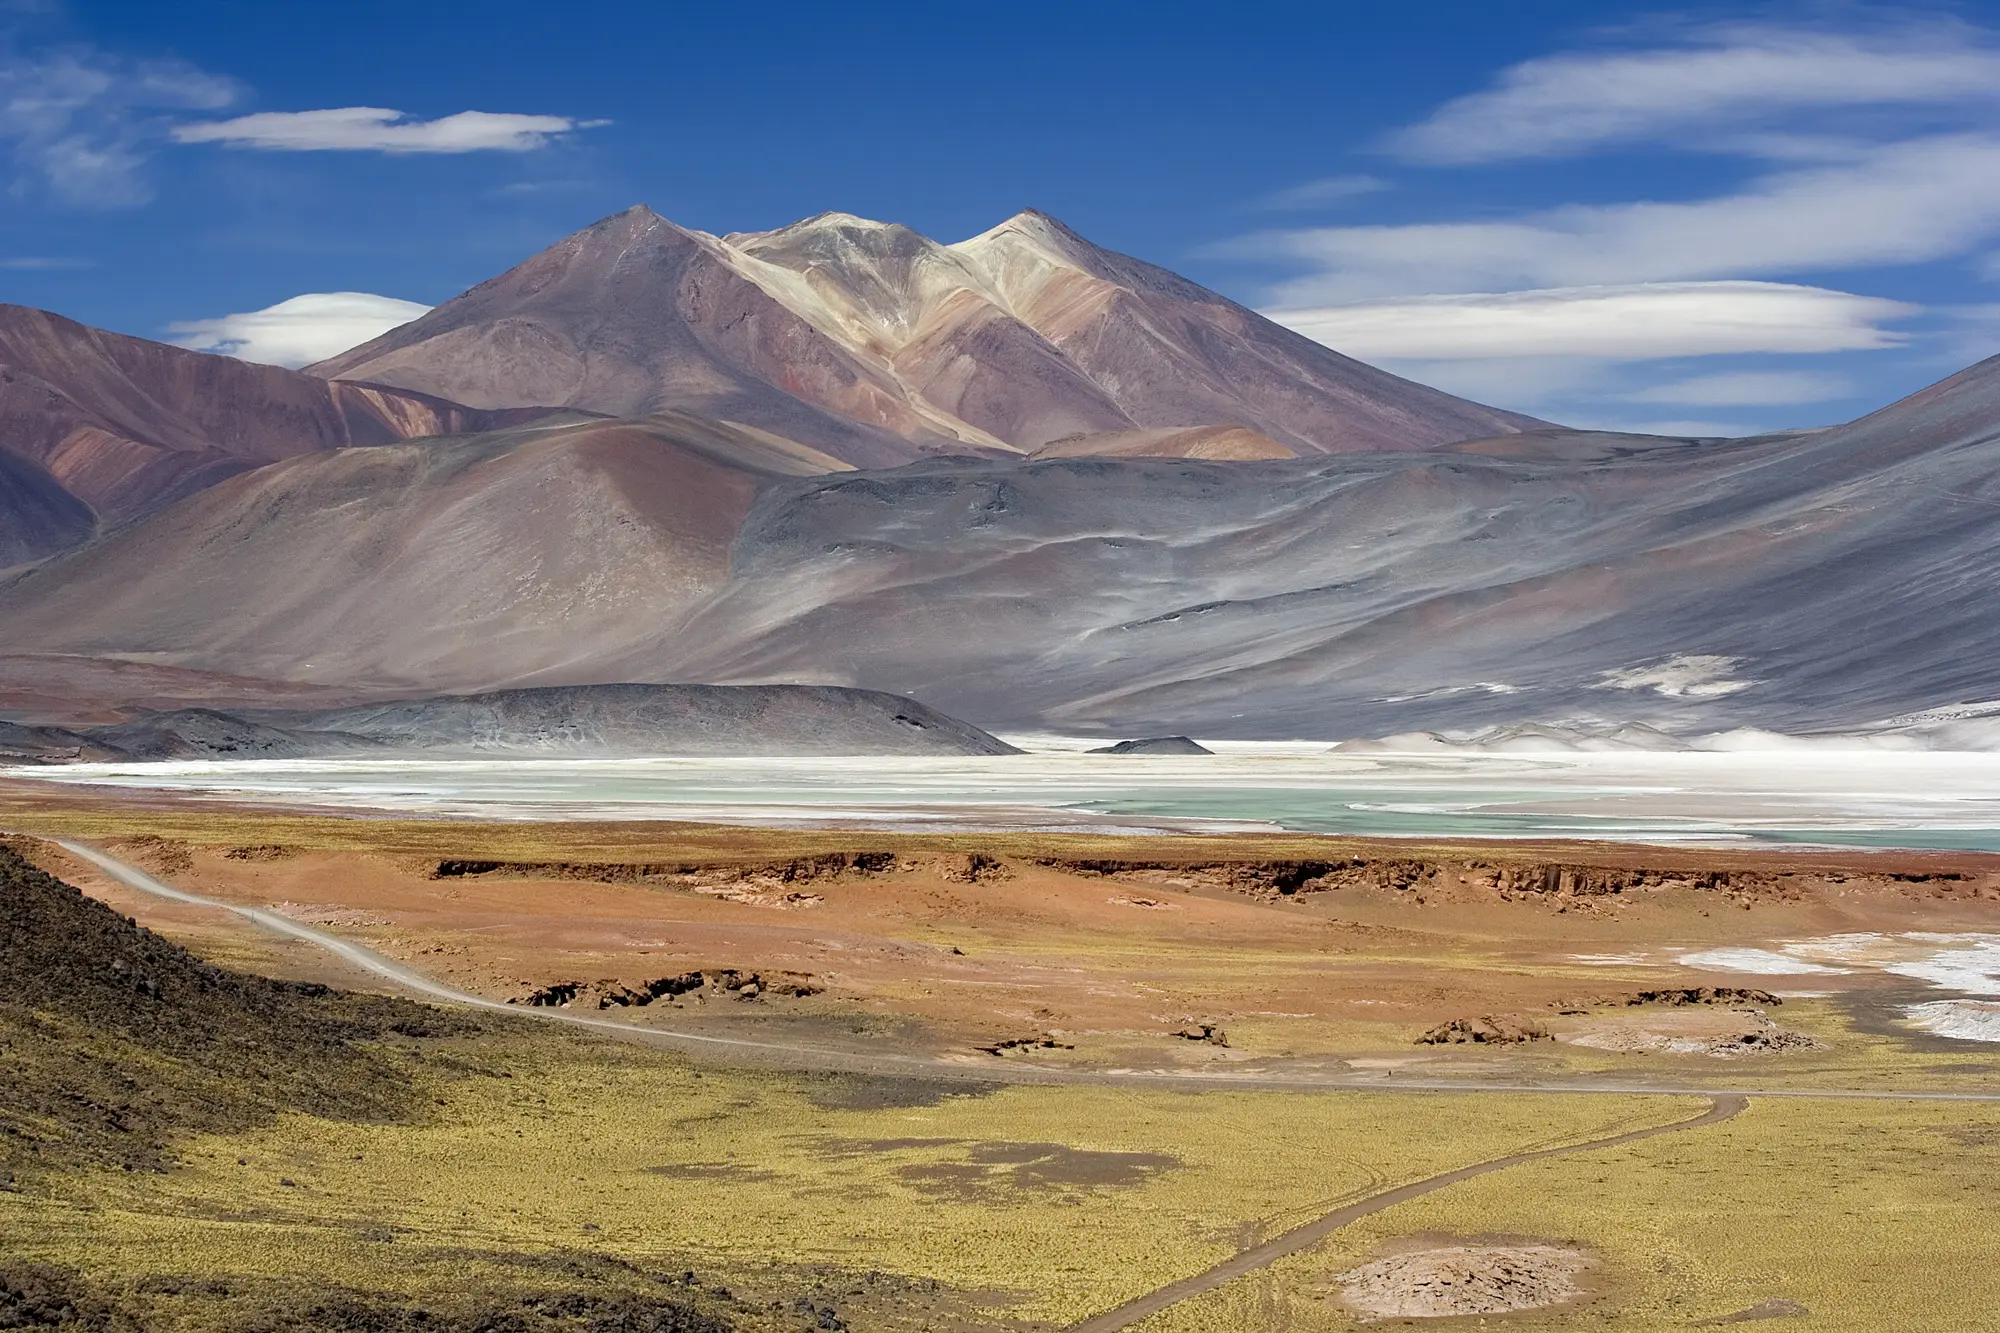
[[1027, 480], [879, 346]]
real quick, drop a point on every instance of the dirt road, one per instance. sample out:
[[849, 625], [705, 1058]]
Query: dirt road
[[1259, 1256], [889, 1063], [1723, 1102]]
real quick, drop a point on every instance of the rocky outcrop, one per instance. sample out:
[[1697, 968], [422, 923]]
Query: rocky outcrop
[[1488, 1029], [799, 870], [119, 1041], [1155, 745], [1687, 995], [725, 982], [1041, 1043]]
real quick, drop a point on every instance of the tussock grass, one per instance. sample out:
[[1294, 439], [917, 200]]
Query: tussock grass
[[1871, 1215], [1055, 1201]]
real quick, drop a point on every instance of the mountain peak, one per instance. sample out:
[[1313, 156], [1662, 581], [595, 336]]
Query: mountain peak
[[871, 342], [834, 219], [838, 227], [1035, 221], [1041, 230], [638, 220]]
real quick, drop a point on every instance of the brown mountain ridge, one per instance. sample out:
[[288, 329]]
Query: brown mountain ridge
[[98, 428], [878, 345]]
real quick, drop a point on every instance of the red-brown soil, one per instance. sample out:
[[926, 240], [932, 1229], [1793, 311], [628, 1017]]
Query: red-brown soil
[[1356, 951]]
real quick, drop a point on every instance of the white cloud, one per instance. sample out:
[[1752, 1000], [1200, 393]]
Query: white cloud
[[1531, 384], [1324, 193], [1748, 388], [41, 264], [300, 331], [1615, 323], [1906, 202], [374, 129], [76, 122], [1717, 78], [1874, 140]]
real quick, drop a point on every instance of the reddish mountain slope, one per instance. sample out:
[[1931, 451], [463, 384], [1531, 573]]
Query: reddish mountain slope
[[636, 315], [1172, 353], [533, 550], [125, 426], [878, 345], [1814, 580]]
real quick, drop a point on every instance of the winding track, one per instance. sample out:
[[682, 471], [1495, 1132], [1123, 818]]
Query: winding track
[[799, 1056], [1723, 1103], [1720, 1108]]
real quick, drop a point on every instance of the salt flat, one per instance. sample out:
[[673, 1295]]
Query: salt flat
[[1856, 797]]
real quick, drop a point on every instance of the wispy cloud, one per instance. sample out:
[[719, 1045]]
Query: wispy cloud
[[524, 189], [1327, 192], [1749, 388], [1637, 322], [42, 264], [1872, 140], [375, 129], [1901, 203], [1712, 84], [300, 331], [76, 122]]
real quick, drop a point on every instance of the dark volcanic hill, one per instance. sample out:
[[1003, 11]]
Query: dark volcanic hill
[[603, 720], [567, 721], [98, 428], [878, 345], [1809, 580], [119, 1042]]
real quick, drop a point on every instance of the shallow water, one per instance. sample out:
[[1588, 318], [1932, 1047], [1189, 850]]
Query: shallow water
[[1859, 798], [1964, 962], [1862, 798]]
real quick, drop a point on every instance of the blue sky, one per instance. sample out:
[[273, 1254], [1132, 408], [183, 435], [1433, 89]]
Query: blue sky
[[1709, 219]]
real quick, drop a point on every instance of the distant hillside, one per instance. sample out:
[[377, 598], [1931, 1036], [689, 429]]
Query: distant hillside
[[597, 721], [97, 428], [1823, 579]]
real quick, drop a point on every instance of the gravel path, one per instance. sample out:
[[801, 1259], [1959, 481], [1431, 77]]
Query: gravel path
[[1720, 1108], [793, 1055]]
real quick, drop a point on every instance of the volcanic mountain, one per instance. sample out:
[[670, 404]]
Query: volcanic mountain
[[1027, 480], [97, 428], [1809, 580], [878, 346]]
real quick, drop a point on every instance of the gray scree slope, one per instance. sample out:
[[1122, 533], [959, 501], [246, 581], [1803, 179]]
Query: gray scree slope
[[584, 721], [1818, 580]]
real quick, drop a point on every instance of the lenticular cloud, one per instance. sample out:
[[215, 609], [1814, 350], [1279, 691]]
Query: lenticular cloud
[[300, 331], [376, 129]]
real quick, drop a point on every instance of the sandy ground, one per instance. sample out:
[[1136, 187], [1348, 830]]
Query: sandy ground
[[1171, 955], [1433, 1278]]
